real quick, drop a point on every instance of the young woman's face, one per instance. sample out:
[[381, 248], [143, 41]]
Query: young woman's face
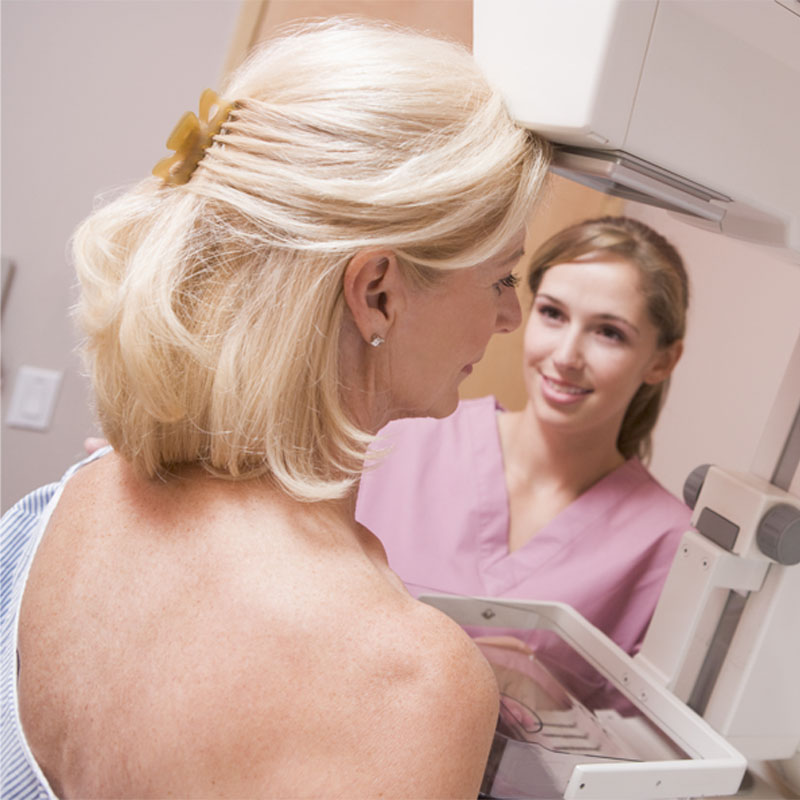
[[589, 345], [446, 330]]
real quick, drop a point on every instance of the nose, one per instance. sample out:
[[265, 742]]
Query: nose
[[509, 313], [569, 353]]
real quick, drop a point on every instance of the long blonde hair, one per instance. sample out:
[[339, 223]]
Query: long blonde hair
[[212, 310]]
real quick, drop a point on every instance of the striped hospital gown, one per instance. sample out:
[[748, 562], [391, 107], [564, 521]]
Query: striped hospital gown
[[22, 529]]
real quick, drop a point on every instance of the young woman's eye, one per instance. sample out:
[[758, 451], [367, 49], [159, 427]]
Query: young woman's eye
[[549, 312], [509, 282], [612, 333]]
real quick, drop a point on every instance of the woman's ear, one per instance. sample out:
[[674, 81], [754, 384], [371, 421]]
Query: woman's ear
[[374, 291], [663, 363]]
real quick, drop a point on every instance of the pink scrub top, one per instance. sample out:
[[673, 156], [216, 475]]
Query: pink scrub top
[[438, 502]]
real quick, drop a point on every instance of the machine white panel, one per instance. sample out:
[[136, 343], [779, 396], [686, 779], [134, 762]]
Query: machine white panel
[[652, 746], [706, 92], [568, 69]]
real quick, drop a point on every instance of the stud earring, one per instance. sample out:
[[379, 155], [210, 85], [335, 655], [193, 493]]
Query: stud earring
[[376, 341]]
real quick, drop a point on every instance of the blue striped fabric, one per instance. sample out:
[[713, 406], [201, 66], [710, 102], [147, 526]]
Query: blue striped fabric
[[22, 528], [21, 777]]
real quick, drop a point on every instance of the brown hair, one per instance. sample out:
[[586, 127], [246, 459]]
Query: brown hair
[[665, 285]]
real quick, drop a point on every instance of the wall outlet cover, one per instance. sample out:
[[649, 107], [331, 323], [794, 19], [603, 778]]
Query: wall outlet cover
[[34, 398]]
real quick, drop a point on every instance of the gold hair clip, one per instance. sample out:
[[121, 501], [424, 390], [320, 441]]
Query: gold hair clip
[[190, 138]]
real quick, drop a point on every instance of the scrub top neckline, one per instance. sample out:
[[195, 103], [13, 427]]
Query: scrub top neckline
[[561, 531]]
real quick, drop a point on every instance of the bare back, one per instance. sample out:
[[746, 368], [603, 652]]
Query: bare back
[[202, 638]]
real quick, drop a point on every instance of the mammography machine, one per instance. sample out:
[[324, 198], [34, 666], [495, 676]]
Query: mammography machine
[[692, 106]]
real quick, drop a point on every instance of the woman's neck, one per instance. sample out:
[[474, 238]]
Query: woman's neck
[[538, 455]]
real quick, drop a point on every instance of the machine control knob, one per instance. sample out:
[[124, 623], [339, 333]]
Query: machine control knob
[[778, 534], [694, 483]]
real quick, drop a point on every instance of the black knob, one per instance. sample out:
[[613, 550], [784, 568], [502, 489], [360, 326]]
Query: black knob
[[693, 484], [778, 534]]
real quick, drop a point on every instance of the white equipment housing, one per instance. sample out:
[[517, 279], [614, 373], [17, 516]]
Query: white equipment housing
[[691, 105], [570, 765]]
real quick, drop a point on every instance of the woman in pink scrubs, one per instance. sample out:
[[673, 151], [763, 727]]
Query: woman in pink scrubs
[[553, 502]]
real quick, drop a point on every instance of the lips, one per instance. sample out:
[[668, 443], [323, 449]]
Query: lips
[[562, 386], [562, 391]]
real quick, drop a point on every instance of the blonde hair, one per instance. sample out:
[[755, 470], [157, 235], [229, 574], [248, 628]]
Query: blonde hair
[[212, 310], [666, 288]]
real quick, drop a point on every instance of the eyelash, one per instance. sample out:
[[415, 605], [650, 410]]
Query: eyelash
[[607, 331], [612, 333], [509, 282], [550, 312]]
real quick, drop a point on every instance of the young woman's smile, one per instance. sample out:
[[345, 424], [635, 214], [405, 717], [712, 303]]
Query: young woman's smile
[[562, 392], [590, 344]]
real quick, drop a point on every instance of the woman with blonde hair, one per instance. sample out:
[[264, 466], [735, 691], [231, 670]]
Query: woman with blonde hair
[[196, 613], [554, 502]]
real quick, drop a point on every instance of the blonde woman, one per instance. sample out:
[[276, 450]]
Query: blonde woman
[[554, 502], [196, 612]]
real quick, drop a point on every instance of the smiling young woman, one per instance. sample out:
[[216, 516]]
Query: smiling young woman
[[590, 344], [554, 502]]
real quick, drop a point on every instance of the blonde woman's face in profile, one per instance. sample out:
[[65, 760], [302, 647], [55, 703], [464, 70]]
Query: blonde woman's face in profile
[[589, 345], [446, 328]]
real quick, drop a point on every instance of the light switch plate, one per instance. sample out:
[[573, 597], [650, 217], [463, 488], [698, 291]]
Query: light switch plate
[[34, 398]]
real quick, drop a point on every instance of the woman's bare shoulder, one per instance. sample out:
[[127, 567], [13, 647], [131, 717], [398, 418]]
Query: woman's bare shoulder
[[457, 696], [403, 703], [266, 663]]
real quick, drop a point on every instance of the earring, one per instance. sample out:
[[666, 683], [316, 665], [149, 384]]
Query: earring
[[376, 341]]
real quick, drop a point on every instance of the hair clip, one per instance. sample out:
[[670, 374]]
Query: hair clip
[[190, 138]]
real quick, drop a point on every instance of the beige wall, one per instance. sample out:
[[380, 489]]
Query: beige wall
[[450, 17]]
